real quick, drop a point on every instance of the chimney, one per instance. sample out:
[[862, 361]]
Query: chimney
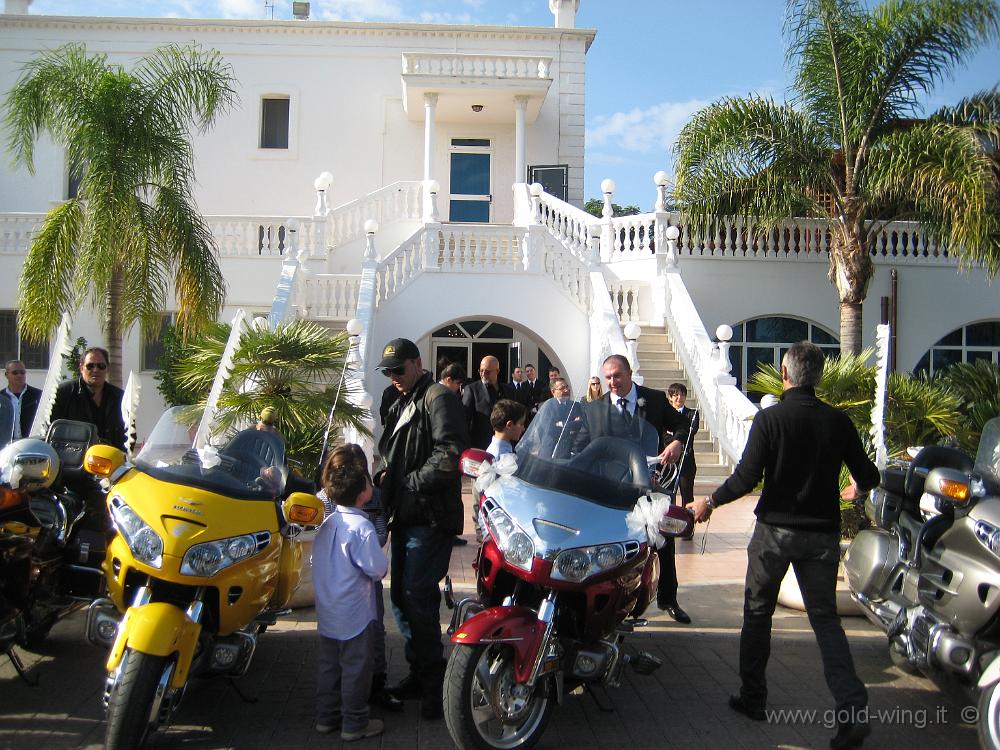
[[565, 12], [16, 7]]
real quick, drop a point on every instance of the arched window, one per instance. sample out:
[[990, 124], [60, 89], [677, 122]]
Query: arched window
[[969, 343], [765, 341]]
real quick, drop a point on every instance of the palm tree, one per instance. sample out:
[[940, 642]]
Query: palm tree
[[847, 147], [295, 369], [133, 230]]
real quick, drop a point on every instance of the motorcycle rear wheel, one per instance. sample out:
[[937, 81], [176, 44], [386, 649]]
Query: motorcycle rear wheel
[[485, 709], [134, 701], [989, 718]]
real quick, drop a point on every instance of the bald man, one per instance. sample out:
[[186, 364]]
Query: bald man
[[479, 399]]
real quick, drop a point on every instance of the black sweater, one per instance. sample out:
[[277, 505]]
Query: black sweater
[[797, 446]]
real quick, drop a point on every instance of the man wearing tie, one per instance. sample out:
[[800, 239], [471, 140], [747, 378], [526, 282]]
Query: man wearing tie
[[629, 400], [516, 390]]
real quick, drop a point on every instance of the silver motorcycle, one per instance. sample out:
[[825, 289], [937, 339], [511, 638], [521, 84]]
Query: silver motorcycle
[[931, 581]]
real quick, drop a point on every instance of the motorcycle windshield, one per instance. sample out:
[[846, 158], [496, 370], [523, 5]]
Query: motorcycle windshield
[[251, 465], [588, 450], [988, 455]]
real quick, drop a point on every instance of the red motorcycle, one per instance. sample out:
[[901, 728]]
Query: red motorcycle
[[565, 571]]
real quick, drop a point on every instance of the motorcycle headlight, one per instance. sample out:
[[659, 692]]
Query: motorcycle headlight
[[517, 547], [208, 558], [145, 543], [583, 562]]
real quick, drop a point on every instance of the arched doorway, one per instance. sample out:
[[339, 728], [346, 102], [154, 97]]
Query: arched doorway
[[468, 341]]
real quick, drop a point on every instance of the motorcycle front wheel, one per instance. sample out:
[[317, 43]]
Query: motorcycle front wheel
[[485, 708], [989, 717], [135, 699]]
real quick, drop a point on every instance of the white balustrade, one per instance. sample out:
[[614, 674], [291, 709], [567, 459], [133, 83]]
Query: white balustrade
[[328, 296], [398, 201], [626, 299], [565, 222], [727, 411], [477, 66], [17, 231], [261, 236], [632, 236]]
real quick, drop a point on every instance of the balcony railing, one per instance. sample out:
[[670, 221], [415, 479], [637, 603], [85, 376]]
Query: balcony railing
[[476, 66]]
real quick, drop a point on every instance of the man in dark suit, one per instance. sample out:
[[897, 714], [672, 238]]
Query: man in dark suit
[[23, 397], [677, 395], [479, 398], [537, 391], [516, 389], [629, 401]]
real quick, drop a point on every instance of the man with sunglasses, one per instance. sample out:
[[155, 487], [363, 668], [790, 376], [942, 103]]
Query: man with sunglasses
[[425, 434], [90, 398], [23, 397]]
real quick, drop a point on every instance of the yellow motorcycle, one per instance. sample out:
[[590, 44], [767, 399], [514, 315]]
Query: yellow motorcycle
[[204, 558]]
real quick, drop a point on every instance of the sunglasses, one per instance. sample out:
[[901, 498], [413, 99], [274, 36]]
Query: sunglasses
[[16, 372], [397, 371], [91, 366]]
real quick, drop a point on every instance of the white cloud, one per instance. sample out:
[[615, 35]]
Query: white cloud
[[443, 17], [241, 8], [645, 130]]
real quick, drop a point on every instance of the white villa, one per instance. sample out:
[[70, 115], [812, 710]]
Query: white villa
[[427, 180]]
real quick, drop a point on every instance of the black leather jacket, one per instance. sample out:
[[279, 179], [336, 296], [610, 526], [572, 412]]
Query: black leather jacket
[[420, 482]]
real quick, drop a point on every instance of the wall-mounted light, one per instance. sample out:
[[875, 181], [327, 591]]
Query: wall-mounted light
[[477, 108]]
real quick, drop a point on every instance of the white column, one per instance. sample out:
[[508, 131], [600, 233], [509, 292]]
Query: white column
[[430, 103], [520, 111]]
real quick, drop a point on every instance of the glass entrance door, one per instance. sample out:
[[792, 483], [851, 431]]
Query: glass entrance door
[[471, 196]]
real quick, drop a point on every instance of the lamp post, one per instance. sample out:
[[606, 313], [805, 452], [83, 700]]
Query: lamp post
[[607, 187], [371, 226], [660, 179], [322, 184], [672, 234], [632, 333], [724, 333], [431, 215]]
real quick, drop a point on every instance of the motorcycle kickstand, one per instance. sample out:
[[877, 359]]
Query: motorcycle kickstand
[[609, 707], [243, 696], [19, 667]]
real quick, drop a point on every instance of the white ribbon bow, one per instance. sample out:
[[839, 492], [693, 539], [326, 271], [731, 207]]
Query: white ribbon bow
[[646, 515]]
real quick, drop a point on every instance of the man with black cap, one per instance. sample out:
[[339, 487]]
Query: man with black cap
[[425, 434]]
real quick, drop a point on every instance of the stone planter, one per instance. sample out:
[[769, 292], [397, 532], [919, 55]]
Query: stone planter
[[790, 596]]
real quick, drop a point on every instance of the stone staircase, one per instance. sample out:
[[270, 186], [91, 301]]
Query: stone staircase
[[659, 366]]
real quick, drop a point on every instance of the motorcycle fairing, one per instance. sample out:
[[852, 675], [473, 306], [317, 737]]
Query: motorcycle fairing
[[158, 629], [518, 627]]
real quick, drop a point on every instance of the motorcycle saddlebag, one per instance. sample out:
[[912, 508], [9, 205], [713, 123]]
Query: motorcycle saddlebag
[[870, 560]]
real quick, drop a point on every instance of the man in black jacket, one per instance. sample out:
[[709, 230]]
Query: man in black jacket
[[424, 437], [797, 447], [479, 398], [627, 398], [90, 398], [23, 397]]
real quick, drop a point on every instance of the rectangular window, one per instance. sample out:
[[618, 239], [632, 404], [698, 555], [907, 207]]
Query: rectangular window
[[554, 178], [470, 142], [74, 178], [274, 123], [152, 348], [34, 356]]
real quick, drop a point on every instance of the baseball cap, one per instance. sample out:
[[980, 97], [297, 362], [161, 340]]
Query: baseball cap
[[397, 351]]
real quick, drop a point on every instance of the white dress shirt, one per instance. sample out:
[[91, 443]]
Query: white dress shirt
[[632, 398], [347, 560]]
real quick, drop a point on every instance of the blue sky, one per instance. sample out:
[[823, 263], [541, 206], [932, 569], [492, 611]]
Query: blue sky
[[653, 63]]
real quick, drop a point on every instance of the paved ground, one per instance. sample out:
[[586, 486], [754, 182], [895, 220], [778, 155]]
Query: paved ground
[[680, 706]]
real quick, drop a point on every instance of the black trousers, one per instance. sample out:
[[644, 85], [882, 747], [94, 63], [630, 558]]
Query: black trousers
[[666, 589], [815, 557]]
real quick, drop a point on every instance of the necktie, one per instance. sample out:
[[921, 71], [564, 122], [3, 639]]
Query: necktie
[[623, 405]]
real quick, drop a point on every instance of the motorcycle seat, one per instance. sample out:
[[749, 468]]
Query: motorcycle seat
[[70, 440]]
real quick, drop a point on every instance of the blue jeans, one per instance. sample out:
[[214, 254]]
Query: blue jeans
[[815, 557], [420, 557]]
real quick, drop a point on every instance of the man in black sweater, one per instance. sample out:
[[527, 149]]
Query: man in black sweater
[[798, 446]]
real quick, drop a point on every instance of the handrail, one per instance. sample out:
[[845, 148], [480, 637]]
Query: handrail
[[402, 200], [726, 410]]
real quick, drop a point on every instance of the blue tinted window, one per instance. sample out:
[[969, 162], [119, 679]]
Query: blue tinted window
[[478, 211], [470, 175]]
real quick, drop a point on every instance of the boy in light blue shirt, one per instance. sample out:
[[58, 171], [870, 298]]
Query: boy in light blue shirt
[[347, 562], [507, 420]]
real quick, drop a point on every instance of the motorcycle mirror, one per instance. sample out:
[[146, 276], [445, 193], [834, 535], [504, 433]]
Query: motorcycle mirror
[[676, 521], [472, 461], [303, 508], [948, 484], [102, 460]]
